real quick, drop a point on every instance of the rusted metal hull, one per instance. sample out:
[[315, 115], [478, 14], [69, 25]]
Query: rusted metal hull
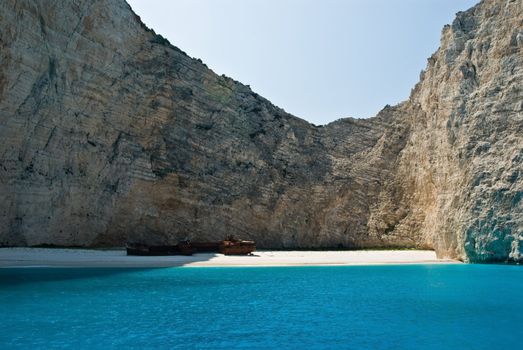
[[237, 247], [188, 248], [206, 247], [144, 250]]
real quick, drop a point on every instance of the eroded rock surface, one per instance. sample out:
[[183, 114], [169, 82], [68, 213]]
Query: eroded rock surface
[[110, 134], [464, 153]]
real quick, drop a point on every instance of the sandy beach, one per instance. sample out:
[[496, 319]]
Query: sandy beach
[[40, 257]]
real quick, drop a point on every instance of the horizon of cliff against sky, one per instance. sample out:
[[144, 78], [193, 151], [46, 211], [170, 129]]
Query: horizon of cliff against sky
[[320, 61]]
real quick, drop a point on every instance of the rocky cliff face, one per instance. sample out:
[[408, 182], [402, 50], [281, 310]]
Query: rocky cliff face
[[462, 165], [110, 134]]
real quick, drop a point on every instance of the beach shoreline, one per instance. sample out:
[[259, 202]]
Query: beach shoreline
[[117, 258]]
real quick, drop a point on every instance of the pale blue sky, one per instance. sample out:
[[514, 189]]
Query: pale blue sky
[[320, 60]]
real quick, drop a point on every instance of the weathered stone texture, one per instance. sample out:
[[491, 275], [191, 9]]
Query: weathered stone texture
[[110, 134], [465, 149]]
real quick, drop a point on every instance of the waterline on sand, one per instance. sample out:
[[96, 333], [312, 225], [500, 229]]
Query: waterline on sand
[[32, 257]]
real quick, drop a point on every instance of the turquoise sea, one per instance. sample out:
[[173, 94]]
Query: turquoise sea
[[350, 307]]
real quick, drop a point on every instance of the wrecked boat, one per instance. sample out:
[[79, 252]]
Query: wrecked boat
[[229, 246]]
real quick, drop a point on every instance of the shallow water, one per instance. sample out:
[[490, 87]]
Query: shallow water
[[350, 307]]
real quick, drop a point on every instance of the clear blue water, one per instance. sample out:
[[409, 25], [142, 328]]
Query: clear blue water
[[352, 307]]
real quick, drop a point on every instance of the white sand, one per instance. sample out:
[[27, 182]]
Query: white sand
[[33, 257]]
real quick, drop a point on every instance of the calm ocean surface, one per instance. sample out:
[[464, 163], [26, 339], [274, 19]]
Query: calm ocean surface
[[351, 307]]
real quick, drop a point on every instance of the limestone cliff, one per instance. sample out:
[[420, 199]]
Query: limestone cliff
[[110, 134], [462, 164]]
